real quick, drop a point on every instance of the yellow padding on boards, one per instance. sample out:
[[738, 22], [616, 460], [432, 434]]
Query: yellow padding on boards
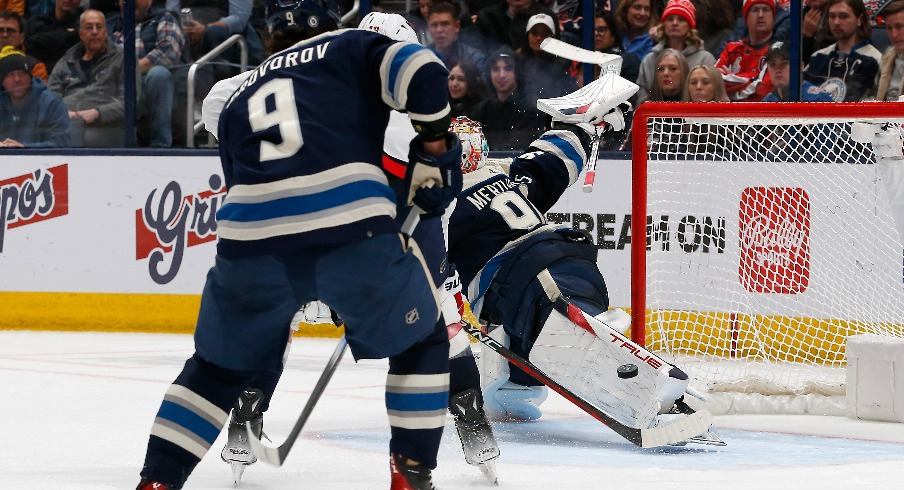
[[782, 338], [113, 312]]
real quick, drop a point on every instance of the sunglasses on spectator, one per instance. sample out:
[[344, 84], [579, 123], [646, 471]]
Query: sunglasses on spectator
[[8, 30], [601, 29]]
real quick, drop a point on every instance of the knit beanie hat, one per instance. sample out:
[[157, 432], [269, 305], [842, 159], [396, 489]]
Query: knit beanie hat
[[12, 60], [684, 8], [751, 3]]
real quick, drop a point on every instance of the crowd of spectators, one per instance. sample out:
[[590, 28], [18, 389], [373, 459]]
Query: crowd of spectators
[[675, 50]]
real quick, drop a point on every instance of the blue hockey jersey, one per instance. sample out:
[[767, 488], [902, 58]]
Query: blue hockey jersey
[[301, 141], [496, 210]]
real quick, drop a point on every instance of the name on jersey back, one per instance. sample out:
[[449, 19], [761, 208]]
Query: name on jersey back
[[282, 61]]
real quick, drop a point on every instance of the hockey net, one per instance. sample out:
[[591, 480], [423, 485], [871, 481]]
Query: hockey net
[[773, 232]]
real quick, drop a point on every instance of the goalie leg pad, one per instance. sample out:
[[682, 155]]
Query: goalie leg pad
[[503, 399], [586, 360]]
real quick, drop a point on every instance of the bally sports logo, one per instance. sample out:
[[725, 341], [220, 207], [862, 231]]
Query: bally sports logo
[[172, 221], [31, 198], [775, 240]]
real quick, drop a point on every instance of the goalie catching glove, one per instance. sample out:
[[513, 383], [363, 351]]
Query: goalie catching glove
[[433, 181]]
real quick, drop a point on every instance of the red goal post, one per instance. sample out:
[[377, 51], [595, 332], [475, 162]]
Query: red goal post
[[771, 235]]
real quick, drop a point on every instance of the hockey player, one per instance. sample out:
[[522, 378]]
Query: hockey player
[[307, 217], [465, 403], [516, 267]]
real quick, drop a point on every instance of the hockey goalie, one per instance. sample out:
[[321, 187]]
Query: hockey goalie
[[539, 290]]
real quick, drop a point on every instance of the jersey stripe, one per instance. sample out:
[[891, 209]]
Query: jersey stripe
[[341, 195], [566, 146]]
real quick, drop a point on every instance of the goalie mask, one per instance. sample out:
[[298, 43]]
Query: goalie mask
[[393, 26], [316, 15], [474, 147]]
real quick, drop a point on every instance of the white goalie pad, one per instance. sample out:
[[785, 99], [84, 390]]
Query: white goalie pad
[[588, 360]]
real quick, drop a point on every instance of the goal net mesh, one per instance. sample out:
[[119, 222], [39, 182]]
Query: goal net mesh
[[769, 242]]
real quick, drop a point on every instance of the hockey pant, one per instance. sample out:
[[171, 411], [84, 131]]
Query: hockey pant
[[380, 288]]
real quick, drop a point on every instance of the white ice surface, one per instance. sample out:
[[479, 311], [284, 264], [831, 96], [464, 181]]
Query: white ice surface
[[76, 408]]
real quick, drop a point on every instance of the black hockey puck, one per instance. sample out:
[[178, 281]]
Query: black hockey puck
[[626, 371]]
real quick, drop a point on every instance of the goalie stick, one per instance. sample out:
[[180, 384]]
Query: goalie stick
[[681, 430], [611, 62], [276, 455]]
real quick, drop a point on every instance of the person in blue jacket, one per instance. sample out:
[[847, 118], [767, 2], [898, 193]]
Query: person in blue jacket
[[778, 62], [30, 115]]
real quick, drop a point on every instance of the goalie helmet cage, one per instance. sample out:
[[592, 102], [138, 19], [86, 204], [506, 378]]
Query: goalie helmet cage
[[770, 238]]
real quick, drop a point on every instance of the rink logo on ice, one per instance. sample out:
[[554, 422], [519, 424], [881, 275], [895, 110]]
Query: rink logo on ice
[[775, 240], [172, 221], [34, 197]]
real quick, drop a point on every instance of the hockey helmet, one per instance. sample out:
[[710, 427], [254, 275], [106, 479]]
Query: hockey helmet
[[393, 26], [474, 148], [298, 14]]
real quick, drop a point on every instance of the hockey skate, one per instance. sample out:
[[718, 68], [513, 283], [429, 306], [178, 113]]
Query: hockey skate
[[237, 451], [475, 433], [408, 477]]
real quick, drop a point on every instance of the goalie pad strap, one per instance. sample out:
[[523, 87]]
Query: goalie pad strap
[[588, 365]]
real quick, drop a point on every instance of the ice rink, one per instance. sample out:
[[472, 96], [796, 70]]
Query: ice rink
[[77, 407]]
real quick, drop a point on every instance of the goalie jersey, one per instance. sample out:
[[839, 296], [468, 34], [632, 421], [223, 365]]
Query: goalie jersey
[[294, 183], [499, 209]]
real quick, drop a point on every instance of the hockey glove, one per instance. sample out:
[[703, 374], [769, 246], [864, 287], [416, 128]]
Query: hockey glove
[[433, 181]]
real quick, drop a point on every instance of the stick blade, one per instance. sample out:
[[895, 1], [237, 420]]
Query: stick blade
[[691, 426], [265, 452], [575, 53]]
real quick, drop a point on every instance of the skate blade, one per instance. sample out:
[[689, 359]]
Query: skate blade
[[707, 438], [488, 469], [237, 470]]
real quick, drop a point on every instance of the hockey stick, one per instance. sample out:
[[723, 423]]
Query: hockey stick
[[571, 52], [276, 455], [693, 425]]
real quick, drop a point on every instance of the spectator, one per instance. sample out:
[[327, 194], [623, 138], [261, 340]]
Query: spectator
[[417, 17], [509, 122], [466, 89], [89, 79], [12, 33], [444, 26], [48, 36], [214, 21], [606, 39], [38, 7], [890, 85], [159, 42], [778, 61], [741, 64], [847, 69], [671, 74], [704, 84], [634, 19], [716, 20], [505, 23], [30, 115], [678, 31], [781, 25], [545, 75], [815, 33]]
